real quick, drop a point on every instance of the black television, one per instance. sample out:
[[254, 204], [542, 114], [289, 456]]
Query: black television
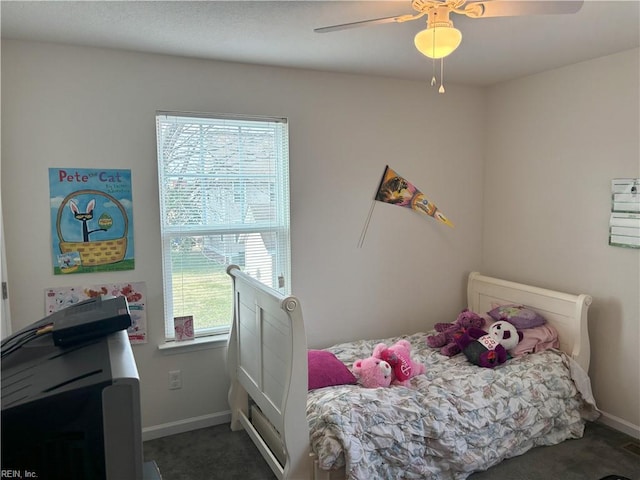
[[71, 397]]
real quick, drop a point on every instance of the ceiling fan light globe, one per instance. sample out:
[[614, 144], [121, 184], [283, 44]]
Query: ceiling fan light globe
[[438, 42]]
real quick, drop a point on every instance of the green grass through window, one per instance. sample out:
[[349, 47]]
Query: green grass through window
[[205, 291]]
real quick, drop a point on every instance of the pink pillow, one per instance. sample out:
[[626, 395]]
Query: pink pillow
[[325, 370], [536, 339]]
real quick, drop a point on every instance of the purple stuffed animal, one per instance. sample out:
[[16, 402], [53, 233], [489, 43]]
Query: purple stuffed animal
[[445, 339], [489, 349]]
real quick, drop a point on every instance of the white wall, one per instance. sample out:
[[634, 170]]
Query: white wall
[[79, 107], [554, 143]]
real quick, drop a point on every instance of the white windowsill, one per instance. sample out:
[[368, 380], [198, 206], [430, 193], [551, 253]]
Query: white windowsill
[[198, 343]]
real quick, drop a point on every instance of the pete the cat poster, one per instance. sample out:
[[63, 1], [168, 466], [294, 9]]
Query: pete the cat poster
[[91, 220]]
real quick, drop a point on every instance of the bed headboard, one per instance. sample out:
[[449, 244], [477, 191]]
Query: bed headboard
[[564, 311]]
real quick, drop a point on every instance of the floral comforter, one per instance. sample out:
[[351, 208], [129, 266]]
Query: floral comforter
[[455, 419]]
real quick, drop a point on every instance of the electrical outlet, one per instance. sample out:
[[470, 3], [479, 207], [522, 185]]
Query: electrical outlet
[[175, 379]]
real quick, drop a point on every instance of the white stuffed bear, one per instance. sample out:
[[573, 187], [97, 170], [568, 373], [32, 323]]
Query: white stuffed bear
[[505, 334]]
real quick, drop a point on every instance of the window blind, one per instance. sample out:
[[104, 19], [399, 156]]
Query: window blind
[[224, 199]]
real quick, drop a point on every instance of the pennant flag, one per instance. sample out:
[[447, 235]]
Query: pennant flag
[[396, 190]]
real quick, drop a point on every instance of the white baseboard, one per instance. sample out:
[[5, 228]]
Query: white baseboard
[[185, 425], [620, 424], [195, 423]]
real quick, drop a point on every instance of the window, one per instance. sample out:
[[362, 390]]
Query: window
[[224, 199]]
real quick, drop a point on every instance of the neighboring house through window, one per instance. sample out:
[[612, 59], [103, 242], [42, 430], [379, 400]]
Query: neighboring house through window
[[224, 199]]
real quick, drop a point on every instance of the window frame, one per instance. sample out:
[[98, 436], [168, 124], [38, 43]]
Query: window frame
[[281, 204]]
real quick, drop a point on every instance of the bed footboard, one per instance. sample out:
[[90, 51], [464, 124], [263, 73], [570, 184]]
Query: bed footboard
[[267, 365]]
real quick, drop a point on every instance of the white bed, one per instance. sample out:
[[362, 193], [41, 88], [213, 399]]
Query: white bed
[[267, 364]]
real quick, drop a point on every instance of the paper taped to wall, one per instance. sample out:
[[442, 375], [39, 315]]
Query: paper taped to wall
[[624, 222]]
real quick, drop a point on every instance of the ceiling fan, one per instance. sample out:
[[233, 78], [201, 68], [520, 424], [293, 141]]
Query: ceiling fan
[[440, 38]]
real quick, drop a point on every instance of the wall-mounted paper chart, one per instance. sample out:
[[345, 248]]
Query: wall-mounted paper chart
[[624, 222]]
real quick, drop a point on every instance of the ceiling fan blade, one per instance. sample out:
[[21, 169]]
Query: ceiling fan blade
[[365, 23], [514, 8]]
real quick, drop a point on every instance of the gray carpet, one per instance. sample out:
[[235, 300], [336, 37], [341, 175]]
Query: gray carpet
[[218, 453]]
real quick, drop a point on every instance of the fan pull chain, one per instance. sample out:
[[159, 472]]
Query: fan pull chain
[[433, 76]]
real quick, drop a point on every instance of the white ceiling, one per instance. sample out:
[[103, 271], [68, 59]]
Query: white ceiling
[[281, 33]]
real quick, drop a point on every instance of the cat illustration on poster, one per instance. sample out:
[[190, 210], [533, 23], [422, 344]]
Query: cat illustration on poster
[[84, 217]]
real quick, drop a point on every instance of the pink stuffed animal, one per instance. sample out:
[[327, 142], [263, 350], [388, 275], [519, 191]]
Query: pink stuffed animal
[[447, 334], [372, 372], [398, 356]]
